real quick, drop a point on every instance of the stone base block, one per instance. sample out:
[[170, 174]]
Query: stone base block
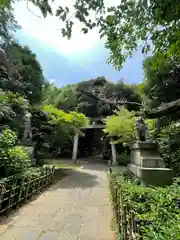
[[152, 176], [152, 162], [30, 150], [143, 145]]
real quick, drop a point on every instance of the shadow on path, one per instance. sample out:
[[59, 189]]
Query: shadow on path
[[76, 179], [95, 166]]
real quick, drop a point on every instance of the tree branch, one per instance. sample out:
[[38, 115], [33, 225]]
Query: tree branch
[[165, 110], [120, 102], [32, 11]]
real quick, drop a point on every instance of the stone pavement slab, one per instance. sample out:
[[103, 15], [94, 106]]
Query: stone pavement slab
[[75, 208]]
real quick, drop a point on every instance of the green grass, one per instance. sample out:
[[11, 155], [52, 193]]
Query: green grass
[[62, 164], [118, 169]]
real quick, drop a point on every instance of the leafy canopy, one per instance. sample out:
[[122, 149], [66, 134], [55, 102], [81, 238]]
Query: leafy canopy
[[120, 125], [59, 117], [98, 97], [153, 25], [169, 141], [161, 80], [31, 78], [64, 126], [8, 25], [12, 107], [63, 98]]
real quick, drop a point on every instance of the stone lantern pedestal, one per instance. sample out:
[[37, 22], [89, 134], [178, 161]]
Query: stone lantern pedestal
[[27, 145], [147, 164]]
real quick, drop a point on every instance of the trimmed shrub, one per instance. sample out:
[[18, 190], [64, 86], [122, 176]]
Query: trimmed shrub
[[13, 159], [123, 159], [155, 212]]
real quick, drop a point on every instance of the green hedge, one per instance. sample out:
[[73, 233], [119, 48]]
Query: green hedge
[[151, 213], [13, 159], [123, 159]]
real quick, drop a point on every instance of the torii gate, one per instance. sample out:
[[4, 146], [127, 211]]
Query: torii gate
[[76, 142]]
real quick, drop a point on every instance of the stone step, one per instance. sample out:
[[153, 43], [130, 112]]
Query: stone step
[[152, 158], [157, 162]]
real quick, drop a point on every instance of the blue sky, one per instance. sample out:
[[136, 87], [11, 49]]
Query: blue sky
[[69, 61]]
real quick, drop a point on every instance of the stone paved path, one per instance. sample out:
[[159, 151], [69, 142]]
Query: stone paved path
[[76, 208]]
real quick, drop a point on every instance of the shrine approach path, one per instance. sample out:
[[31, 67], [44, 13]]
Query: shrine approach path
[[75, 208]]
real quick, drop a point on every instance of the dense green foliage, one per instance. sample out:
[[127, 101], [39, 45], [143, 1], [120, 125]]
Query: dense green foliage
[[30, 80], [65, 125], [130, 24], [95, 98], [98, 97], [23, 87], [123, 158], [161, 80], [59, 113], [58, 117], [152, 25], [7, 25], [120, 126], [64, 98], [156, 210], [13, 158], [87, 103], [53, 130], [169, 143], [20, 72], [12, 108], [159, 88]]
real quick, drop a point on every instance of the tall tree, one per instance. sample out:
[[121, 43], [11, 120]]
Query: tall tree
[[62, 98], [87, 95], [49, 92], [162, 81], [30, 79], [8, 25], [98, 99]]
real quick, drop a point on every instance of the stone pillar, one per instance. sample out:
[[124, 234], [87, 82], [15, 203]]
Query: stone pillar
[[113, 150], [75, 147]]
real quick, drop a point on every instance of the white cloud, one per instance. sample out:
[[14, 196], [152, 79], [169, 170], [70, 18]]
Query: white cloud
[[46, 30], [52, 80]]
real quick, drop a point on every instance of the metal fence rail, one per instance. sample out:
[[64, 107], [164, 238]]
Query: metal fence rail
[[14, 190], [127, 225]]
